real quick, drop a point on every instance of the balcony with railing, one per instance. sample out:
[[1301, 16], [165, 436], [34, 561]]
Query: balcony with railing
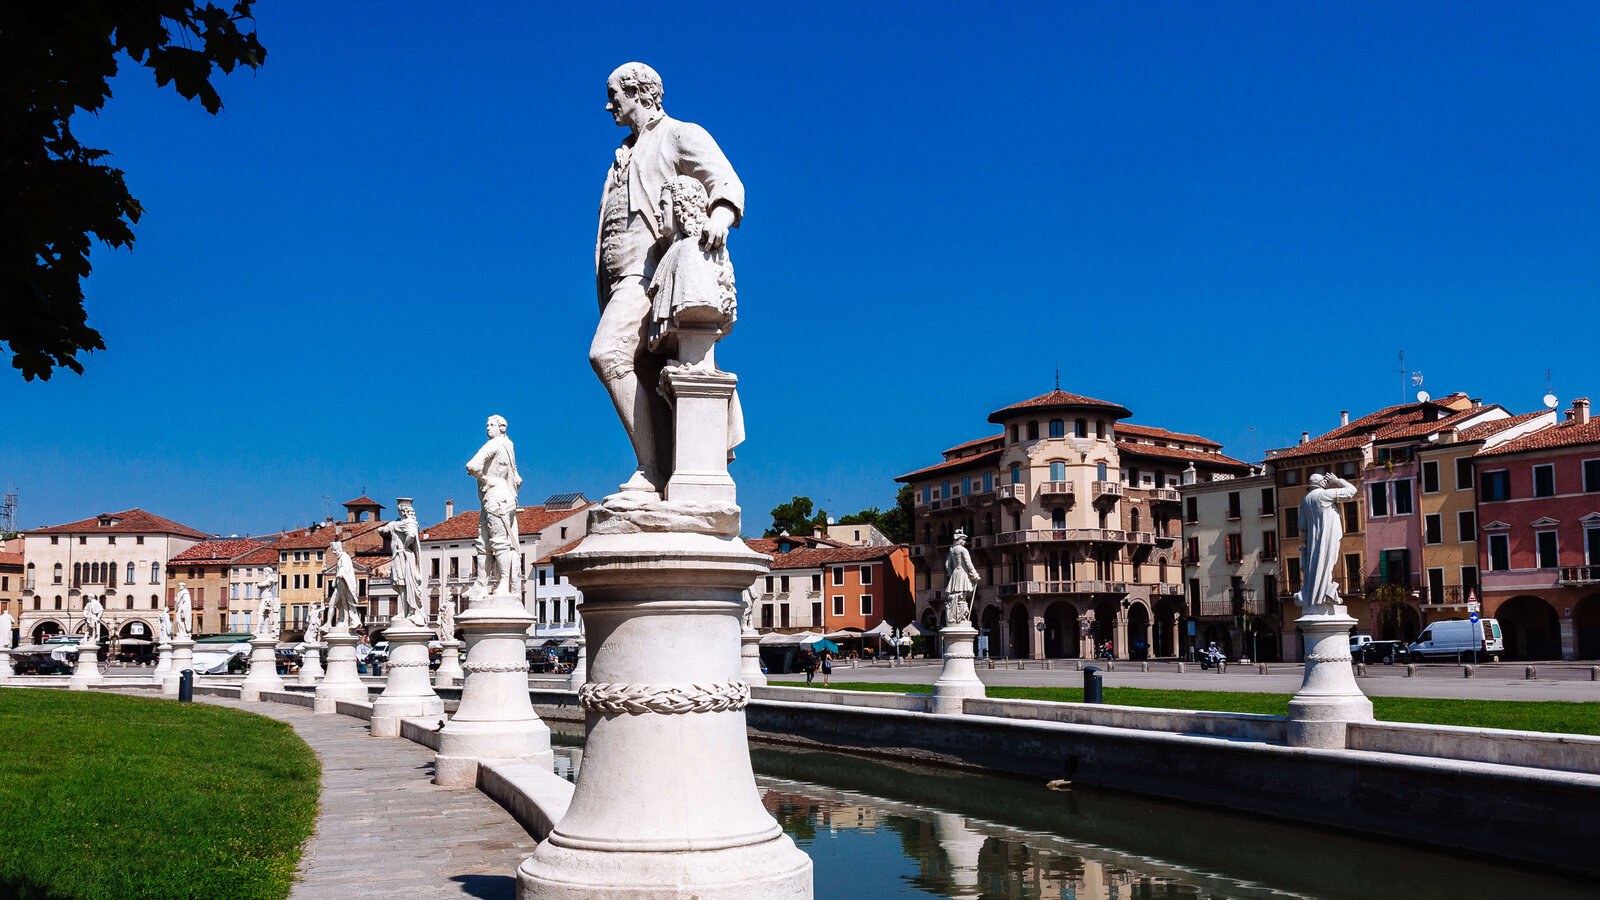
[[1105, 490], [1153, 494], [1038, 535], [1055, 489], [1579, 575], [1015, 493], [1144, 538], [1267, 555], [1166, 590]]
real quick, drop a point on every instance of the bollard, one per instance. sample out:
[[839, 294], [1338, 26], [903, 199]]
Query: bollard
[[1144, 667], [375, 666], [991, 662], [1530, 673], [1078, 666], [1594, 673], [1469, 670], [1361, 669], [1261, 669], [1091, 685], [1411, 670], [186, 686], [1049, 664], [1181, 668], [1222, 667]]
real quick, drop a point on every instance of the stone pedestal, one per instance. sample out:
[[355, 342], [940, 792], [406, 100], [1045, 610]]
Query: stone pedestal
[[959, 679], [666, 803], [310, 665], [700, 453], [182, 658], [5, 661], [580, 668], [750, 658], [407, 693], [449, 673], [342, 681], [496, 718], [263, 669], [86, 671], [163, 662], [1329, 696]]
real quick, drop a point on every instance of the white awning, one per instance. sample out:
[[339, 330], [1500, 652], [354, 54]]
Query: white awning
[[776, 639]]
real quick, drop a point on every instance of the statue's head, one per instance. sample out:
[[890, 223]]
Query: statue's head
[[496, 426], [683, 205], [180, 585], [960, 537], [403, 504], [336, 547], [634, 94], [1318, 480]]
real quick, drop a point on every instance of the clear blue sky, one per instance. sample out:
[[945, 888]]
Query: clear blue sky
[[388, 235]]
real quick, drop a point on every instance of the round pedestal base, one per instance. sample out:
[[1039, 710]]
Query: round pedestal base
[[182, 658], [449, 673], [163, 663], [86, 672], [771, 870], [1329, 696], [342, 682], [310, 665], [263, 670], [5, 660], [407, 693], [750, 658], [959, 679], [495, 719]]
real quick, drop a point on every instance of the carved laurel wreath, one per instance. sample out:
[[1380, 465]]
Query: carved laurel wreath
[[677, 698], [406, 665], [495, 667], [1326, 658]]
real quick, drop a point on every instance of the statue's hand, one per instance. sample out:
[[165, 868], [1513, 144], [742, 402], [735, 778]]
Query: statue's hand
[[714, 234]]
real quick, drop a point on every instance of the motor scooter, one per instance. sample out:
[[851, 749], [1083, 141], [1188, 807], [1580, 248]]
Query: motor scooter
[[1211, 658]]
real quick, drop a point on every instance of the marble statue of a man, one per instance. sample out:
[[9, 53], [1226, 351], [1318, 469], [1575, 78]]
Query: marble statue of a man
[[315, 625], [344, 606], [405, 567], [163, 627], [6, 625], [495, 468], [961, 580], [268, 610], [447, 618], [629, 244], [183, 613], [752, 596], [93, 612], [1322, 529]]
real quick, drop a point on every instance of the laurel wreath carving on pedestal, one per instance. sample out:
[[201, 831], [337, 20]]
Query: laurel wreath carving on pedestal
[[406, 665], [677, 698], [495, 667], [1326, 658]]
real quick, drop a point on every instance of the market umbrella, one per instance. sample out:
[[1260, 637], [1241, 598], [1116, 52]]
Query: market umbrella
[[823, 643]]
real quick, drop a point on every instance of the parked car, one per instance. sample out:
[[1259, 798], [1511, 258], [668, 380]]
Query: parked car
[[1388, 652], [1456, 637], [1357, 641]]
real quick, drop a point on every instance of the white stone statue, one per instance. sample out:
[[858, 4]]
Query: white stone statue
[[628, 246], [163, 627], [405, 568], [183, 613], [315, 624], [6, 625], [93, 612], [752, 596], [447, 618], [961, 580], [268, 610], [1322, 529], [692, 292], [344, 607], [495, 468]]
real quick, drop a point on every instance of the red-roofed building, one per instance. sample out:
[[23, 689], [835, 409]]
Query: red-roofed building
[[120, 557], [1073, 518], [206, 570], [815, 584], [1539, 543]]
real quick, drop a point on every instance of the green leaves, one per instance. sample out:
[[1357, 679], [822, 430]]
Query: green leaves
[[56, 59]]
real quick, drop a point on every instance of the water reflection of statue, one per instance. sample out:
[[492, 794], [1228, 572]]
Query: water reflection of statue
[[405, 568], [1322, 528], [961, 579]]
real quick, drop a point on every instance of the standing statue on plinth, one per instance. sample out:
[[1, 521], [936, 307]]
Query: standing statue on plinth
[[961, 580], [6, 625], [405, 569], [1323, 529], [344, 607], [183, 613], [93, 612], [495, 468], [163, 627], [268, 610], [314, 625], [447, 618], [629, 244], [752, 596]]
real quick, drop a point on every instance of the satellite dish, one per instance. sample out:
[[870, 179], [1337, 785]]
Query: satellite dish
[[1550, 401], [1422, 396], [830, 520]]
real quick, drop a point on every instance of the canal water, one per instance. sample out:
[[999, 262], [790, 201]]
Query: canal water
[[878, 829]]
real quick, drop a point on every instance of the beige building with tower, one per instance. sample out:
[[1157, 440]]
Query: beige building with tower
[[1074, 522]]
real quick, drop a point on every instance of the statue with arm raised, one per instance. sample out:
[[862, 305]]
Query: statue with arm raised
[[405, 568], [1323, 529]]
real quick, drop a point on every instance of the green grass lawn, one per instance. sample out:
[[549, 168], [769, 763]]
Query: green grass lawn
[[1524, 715], [105, 796]]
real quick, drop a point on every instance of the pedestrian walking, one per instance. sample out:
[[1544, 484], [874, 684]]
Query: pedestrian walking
[[809, 663]]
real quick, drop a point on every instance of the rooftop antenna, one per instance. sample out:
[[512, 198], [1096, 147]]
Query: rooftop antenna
[[1416, 381], [1550, 399], [8, 513], [1252, 442], [327, 506], [1058, 376], [1402, 373]]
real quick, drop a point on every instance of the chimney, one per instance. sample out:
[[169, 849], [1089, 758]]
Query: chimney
[[1305, 437], [1344, 417], [449, 509], [1447, 434], [1572, 414], [1581, 406], [1477, 403], [816, 531]]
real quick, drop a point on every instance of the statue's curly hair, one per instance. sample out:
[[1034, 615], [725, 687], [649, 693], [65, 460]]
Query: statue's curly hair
[[688, 203], [639, 79]]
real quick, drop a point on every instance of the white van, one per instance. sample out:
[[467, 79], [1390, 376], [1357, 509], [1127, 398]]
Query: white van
[[1458, 636]]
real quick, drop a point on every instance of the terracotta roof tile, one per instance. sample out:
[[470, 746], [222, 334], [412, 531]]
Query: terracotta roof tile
[[308, 539], [10, 559], [1059, 399], [545, 560], [1163, 434], [982, 459], [530, 520], [266, 554], [1486, 430], [1390, 423], [1199, 456], [814, 557], [132, 520], [974, 443], [218, 550], [1561, 434]]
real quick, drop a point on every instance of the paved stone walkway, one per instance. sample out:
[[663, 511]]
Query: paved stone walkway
[[385, 830]]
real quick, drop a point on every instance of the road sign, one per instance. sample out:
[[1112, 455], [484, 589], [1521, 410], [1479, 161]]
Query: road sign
[[1473, 617]]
